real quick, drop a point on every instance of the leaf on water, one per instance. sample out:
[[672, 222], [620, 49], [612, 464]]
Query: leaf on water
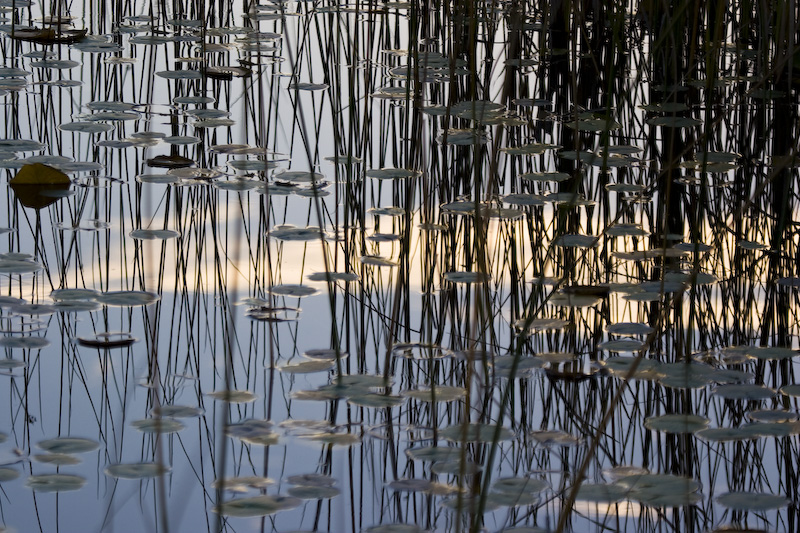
[[58, 459], [456, 468], [476, 432], [10, 266], [25, 343], [177, 411], [292, 290], [55, 482], [441, 393], [791, 390], [153, 234], [8, 474], [576, 241], [158, 425], [524, 199], [629, 328], [519, 485], [333, 276], [253, 431], [307, 367], [465, 277], [396, 528], [108, 339], [291, 233], [393, 173], [772, 353], [420, 351], [525, 366], [725, 434], [376, 400], [233, 396], [308, 492], [68, 445], [510, 499], [434, 453], [622, 345], [135, 470], [312, 480], [334, 439], [562, 299], [170, 161], [556, 358], [686, 375], [242, 483], [744, 391], [772, 415], [39, 174], [554, 437], [524, 326], [752, 501], [85, 127], [646, 369], [376, 260], [257, 506], [544, 177], [37, 185], [676, 423], [128, 298], [601, 493], [674, 122], [74, 294]]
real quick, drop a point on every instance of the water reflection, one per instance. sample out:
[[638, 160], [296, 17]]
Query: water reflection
[[398, 267]]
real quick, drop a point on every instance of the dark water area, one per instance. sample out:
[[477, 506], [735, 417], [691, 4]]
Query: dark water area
[[399, 267]]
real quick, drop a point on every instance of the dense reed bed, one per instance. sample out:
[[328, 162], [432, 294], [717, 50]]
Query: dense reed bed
[[461, 266]]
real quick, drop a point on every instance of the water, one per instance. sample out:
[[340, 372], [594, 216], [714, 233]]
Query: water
[[561, 247]]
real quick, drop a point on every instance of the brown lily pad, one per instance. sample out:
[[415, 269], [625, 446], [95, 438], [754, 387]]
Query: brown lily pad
[[37, 185], [170, 161]]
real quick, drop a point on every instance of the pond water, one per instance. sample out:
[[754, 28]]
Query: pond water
[[389, 266]]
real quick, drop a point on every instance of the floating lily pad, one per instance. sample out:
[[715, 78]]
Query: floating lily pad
[[25, 343], [258, 505], [8, 474], [233, 396], [676, 423], [375, 400], [55, 482], [465, 277], [752, 501], [127, 298], [57, 459], [68, 445], [135, 470], [442, 393], [335, 439], [158, 425], [177, 411], [307, 367], [744, 391], [254, 431], [154, 234], [475, 432], [622, 345]]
